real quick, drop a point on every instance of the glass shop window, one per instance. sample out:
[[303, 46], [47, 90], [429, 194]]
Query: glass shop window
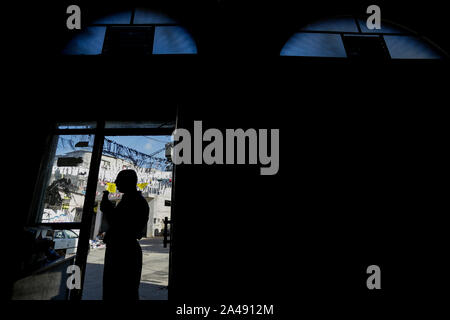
[[65, 179]]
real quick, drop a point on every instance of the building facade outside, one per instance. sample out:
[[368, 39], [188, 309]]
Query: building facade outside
[[67, 188]]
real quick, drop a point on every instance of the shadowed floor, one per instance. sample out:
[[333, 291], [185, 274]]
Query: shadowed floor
[[154, 279]]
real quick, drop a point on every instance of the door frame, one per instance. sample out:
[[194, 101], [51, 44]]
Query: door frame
[[99, 132]]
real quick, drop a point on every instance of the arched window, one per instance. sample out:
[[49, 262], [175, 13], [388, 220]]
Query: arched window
[[137, 31], [349, 37]]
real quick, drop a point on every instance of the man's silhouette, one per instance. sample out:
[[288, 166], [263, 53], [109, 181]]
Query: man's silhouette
[[123, 256]]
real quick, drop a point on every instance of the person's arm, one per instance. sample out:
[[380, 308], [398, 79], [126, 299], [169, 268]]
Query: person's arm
[[107, 207], [142, 217]]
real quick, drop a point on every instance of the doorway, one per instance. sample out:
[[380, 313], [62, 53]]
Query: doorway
[[147, 156], [82, 161]]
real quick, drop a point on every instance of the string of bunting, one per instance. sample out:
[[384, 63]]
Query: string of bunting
[[117, 150]]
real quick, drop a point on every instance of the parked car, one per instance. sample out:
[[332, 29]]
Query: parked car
[[66, 241]]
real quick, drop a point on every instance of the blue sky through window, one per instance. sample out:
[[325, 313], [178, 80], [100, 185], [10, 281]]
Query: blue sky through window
[[144, 144]]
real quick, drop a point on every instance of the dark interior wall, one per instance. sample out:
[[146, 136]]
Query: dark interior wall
[[350, 190], [24, 142]]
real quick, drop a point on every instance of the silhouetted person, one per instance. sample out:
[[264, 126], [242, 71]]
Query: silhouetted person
[[123, 256]]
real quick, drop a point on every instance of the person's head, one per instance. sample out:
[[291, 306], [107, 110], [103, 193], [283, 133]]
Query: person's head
[[126, 181]]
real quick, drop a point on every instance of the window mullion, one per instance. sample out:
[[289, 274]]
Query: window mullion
[[88, 207]]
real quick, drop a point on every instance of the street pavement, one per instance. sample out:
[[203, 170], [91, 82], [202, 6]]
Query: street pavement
[[155, 271]]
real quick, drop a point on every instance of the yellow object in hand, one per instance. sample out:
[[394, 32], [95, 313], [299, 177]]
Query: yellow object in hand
[[111, 187]]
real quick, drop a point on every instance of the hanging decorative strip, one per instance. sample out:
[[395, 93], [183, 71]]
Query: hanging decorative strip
[[117, 150]]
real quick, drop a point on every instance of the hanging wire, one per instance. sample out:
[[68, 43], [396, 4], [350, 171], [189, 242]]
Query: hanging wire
[[117, 150]]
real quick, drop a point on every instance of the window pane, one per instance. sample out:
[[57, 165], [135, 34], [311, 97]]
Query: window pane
[[115, 18], [139, 124], [385, 28], [365, 47], [314, 45], [173, 40], [336, 24], [407, 47], [77, 125], [66, 179], [128, 40], [88, 42], [147, 16]]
